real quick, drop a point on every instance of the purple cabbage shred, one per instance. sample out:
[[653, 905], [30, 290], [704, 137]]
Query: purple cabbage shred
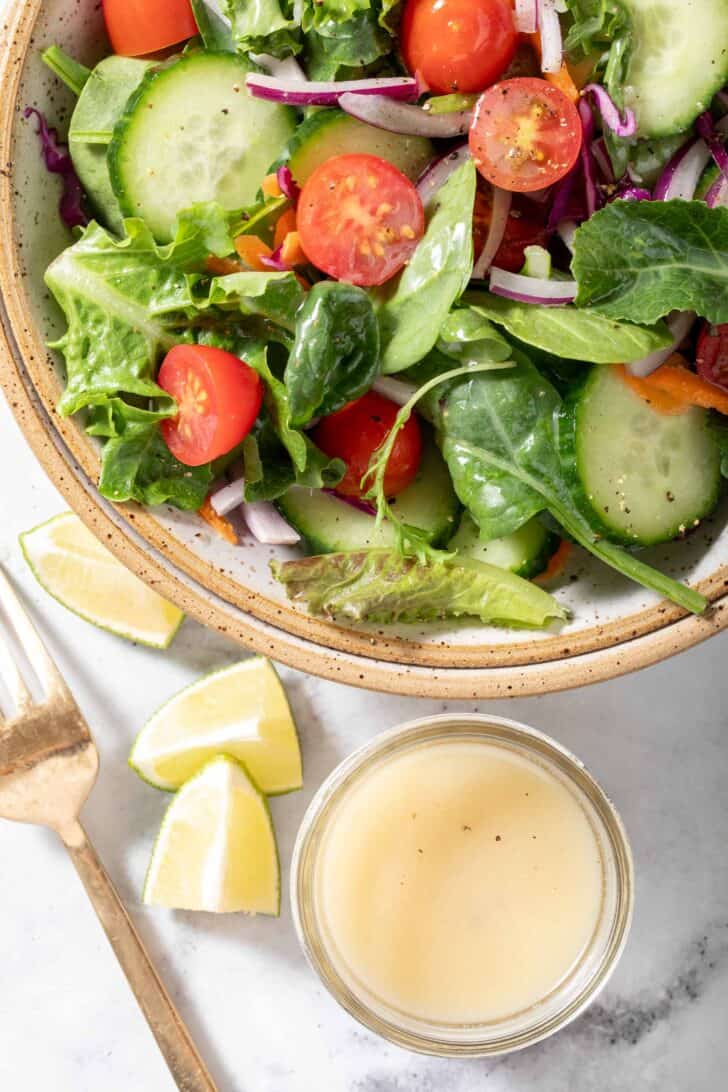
[[58, 161]]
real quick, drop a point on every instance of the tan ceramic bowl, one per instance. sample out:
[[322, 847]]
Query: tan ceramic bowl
[[616, 626]]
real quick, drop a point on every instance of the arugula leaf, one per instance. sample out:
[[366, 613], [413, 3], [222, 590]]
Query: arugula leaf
[[438, 273], [497, 432], [216, 34], [269, 469], [601, 27], [571, 332], [335, 358], [382, 586], [639, 260], [265, 26]]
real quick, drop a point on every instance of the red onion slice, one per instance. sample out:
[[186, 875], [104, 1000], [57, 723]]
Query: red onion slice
[[526, 16], [287, 69], [287, 184], [717, 195], [315, 93], [396, 390], [623, 126], [275, 261], [682, 174], [632, 193], [436, 175], [602, 160], [713, 137], [228, 498], [514, 286], [502, 200], [679, 324], [398, 117], [566, 232], [552, 46], [267, 525], [591, 190]]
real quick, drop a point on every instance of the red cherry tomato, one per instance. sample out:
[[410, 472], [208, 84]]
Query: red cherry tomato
[[218, 398], [359, 219], [355, 432], [458, 45], [526, 134], [137, 27], [712, 354], [525, 227]]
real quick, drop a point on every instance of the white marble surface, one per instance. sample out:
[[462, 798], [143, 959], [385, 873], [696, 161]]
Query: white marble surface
[[68, 1023]]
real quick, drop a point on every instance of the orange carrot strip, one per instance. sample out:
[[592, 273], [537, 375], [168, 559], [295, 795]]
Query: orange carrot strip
[[563, 80], [571, 77], [251, 249], [292, 251], [270, 187], [556, 563], [673, 388], [219, 524], [286, 223], [221, 267]]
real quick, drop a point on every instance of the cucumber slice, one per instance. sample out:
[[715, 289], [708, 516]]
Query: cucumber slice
[[329, 525], [526, 552], [192, 133], [639, 476], [100, 105], [679, 59], [332, 132]]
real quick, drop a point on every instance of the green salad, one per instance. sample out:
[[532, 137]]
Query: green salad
[[429, 292]]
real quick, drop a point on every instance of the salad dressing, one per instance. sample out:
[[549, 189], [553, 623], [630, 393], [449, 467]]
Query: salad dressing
[[459, 882]]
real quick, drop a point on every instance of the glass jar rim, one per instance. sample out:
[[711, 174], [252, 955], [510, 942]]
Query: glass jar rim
[[478, 1040]]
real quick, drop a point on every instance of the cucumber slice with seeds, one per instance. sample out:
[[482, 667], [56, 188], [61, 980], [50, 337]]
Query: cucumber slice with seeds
[[639, 476], [191, 133]]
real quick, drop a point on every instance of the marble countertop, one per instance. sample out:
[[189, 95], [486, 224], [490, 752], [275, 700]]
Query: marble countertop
[[657, 741]]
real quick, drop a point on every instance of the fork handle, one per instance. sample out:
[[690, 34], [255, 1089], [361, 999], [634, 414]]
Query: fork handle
[[173, 1038]]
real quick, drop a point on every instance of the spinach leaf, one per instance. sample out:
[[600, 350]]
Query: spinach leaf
[[468, 337], [382, 586], [438, 273], [571, 332], [265, 26], [269, 469], [497, 432], [639, 260], [335, 357], [216, 34]]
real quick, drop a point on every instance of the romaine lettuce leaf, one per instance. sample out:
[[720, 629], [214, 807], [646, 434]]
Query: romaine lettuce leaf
[[265, 26], [436, 276], [571, 332], [382, 586], [639, 260]]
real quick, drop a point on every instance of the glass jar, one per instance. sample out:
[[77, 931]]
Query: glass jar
[[583, 981]]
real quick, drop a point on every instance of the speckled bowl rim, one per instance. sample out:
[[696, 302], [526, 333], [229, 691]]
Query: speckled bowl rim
[[24, 365]]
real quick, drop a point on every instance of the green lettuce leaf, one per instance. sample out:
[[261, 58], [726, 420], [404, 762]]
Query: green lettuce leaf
[[335, 358], [639, 260], [571, 332], [341, 45], [216, 34], [273, 296], [269, 469], [265, 26], [438, 273], [381, 586]]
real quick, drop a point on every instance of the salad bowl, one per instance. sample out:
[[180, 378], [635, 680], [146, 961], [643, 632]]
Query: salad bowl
[[614, 626]]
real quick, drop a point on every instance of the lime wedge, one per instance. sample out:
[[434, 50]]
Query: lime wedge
[[240, 711], [217, 849], [81, 574]]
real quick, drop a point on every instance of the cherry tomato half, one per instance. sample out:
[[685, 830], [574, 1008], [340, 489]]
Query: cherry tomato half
[[458, 45], [355, 432], [526, 226], [526, 134], [712, 354], [218, 398], [359, 219], [137, 27]]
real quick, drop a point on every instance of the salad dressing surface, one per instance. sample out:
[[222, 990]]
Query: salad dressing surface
[[459, 882]]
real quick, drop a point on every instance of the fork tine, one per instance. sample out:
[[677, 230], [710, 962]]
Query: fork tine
[[29, 639], [13, 680]]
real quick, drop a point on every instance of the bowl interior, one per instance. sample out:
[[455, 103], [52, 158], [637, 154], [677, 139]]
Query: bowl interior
[[606, 608]]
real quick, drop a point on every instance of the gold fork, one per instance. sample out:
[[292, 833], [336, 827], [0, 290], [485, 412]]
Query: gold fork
[[48, 766]]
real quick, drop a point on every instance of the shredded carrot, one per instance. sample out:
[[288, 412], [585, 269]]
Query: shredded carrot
[[251, 249], [286, 223], [221, 267], [673, 389], [556, 563], [270, 187], [563, 80], [292, 252], [219, 524]]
